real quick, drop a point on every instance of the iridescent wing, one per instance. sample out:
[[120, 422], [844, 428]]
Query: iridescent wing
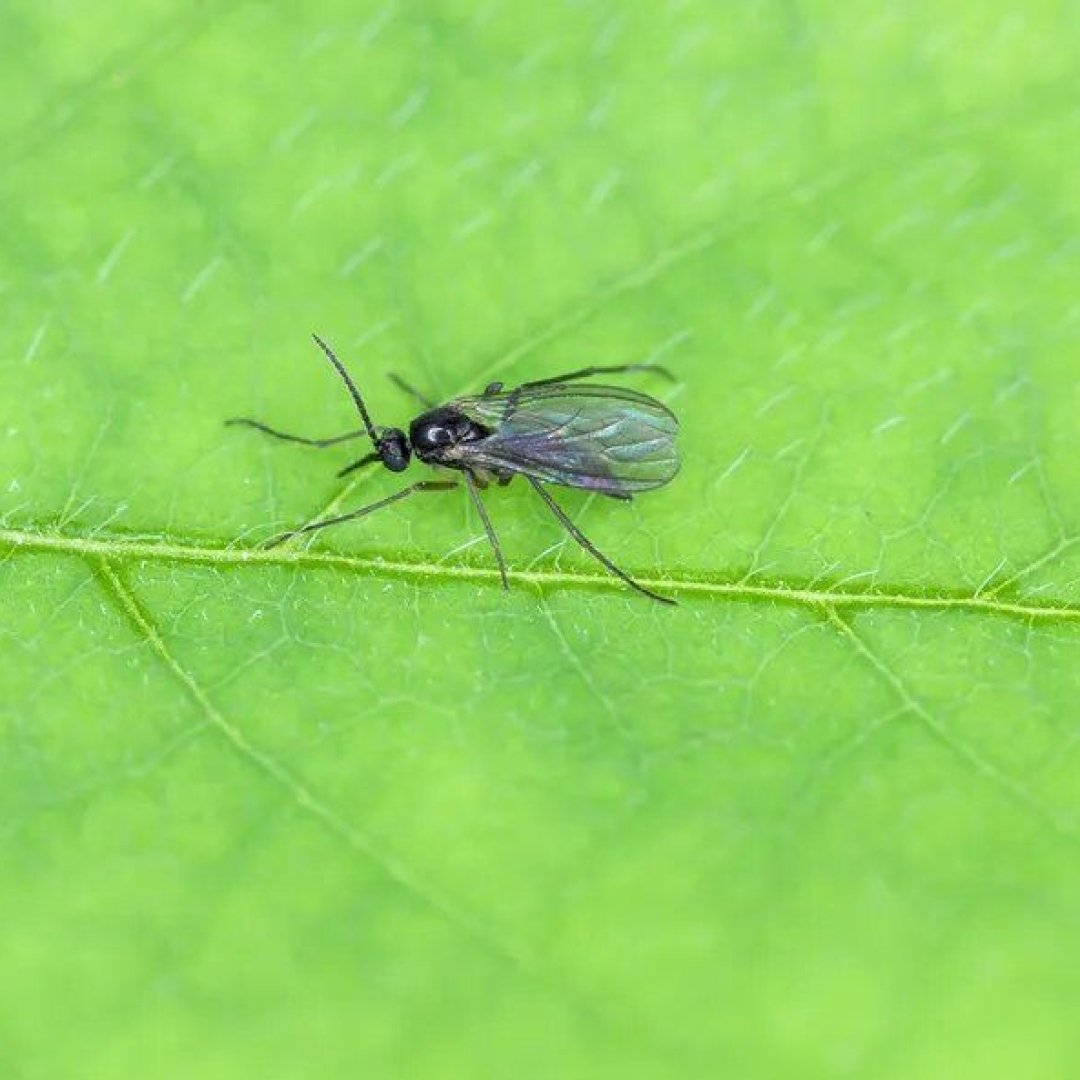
[[601, 438]]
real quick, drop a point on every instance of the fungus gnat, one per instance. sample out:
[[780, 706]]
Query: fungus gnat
[[603, 439]]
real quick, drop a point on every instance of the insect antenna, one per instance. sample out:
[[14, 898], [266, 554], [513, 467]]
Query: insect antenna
[[347, 379]]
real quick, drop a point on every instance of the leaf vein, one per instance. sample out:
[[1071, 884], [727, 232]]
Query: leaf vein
[[355, 839], [688, 585], [975, 762]]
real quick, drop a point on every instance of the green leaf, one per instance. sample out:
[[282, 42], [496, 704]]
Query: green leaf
[[347, 809]]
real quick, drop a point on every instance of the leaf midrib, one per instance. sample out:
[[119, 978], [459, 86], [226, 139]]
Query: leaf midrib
[[805, 595]]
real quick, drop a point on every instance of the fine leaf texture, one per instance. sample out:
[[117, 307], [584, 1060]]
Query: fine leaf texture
[[345, 808]]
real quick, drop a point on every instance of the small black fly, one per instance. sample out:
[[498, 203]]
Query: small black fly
[[604, 439]]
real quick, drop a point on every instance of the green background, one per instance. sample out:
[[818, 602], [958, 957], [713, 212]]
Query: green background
[[351, 810]]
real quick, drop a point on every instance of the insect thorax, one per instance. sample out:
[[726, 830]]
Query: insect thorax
[[436, 434]]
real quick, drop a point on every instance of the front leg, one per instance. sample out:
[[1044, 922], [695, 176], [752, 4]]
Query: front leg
[[315, 526], [284, 436]]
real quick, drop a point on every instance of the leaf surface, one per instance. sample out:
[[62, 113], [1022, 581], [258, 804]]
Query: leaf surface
[[347, 808]]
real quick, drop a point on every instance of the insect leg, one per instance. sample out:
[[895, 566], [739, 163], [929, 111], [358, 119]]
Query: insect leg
[[615, 369], [423, 485], [470, 483], [591, 548], [367, 459], [401, 384], [258, 425]]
